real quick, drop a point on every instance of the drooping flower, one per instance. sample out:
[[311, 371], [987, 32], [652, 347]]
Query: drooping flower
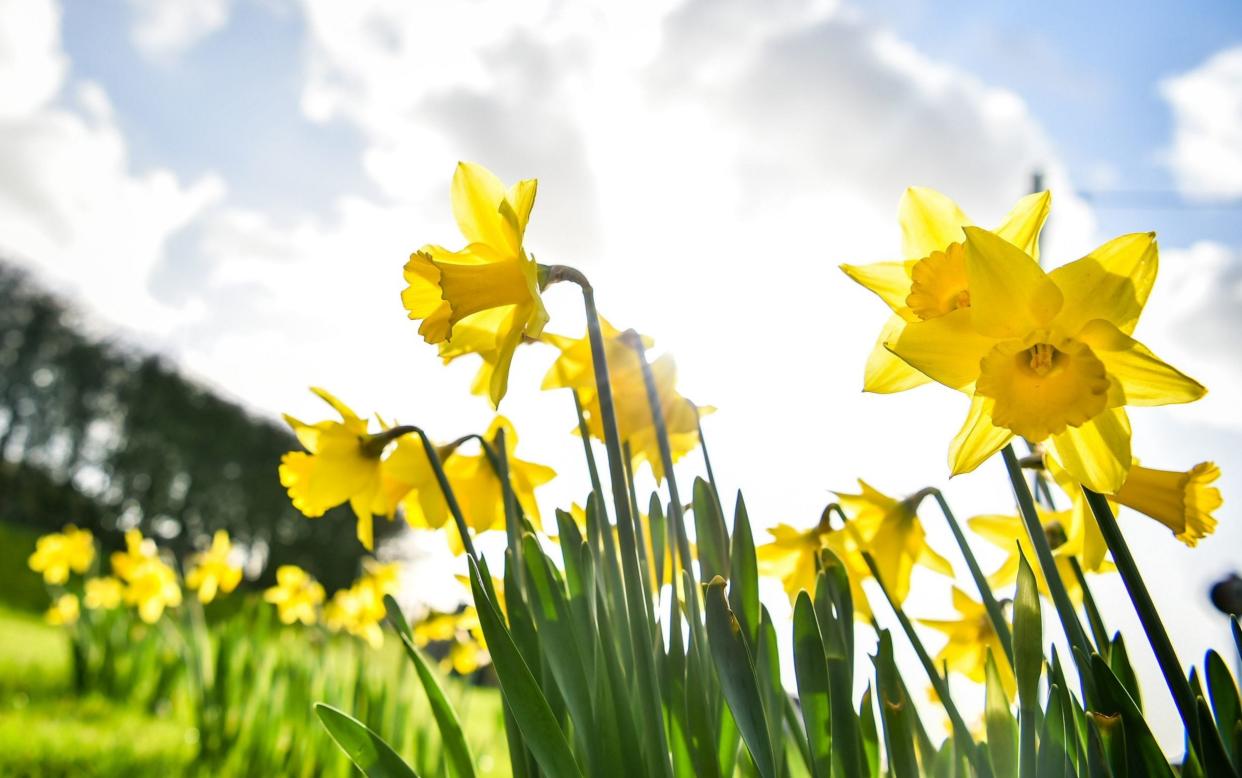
[[151, 584], [574, 369], [484, 298], [407, 479], [296, 595], [58, 553], [103, 593], [792, 556], [969, 640], [64, 611], [341, 464], [932, 280], [1065, 538], [212, 572], [1048, 356]]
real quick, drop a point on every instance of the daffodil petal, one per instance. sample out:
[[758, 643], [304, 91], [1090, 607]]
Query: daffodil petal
[[932, 560], [1112, 283], [477, 195], [947, 348], [1009, 294], [930, 221], [978, 438], [890, 281], [1145, 379], [885, 373], [521, 198], [503, 361], [1024, 222], [1097, 454]]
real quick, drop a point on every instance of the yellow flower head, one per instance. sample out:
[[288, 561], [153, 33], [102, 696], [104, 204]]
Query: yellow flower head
[[59, 553], [892, 532], [932, 281], [103, 593], [357, 610], [150, 584], [792, 556], [341, 464], [574, 369], [296, 595], [1048, 356], [478, 490], [212, 572], [407, 479], [64, 611], [468, 651], [1065, 537], [969, 640], [484, 298]]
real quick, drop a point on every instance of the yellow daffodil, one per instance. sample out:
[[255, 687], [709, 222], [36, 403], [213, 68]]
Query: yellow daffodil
[[1048, 356], [467, 652], [792, 557], [574, 369], [969, 640], [932, 280], [892, 532], [58, 553], [296, 595], [103, 593], [211, 571], [474, 482], [150, 584], [484, 298], [341, 464], [357, 610], [407, 479], [64, 611], [1008, 533]]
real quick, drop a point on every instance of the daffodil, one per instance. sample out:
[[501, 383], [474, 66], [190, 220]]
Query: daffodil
[[58, 553], [296, 595], [357, 610], [484, 298], [932, 282], [1065, 538], [103, 593], [574, 369], [792, 556], [1049, 356], [478, 490], [212, 572], [341, 464], [151, 584], [894, 535], [64, 611], [467, 650], [970, 637], [408, 479]]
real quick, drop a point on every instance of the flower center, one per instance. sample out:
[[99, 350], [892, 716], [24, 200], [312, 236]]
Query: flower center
[[1055, 533], [1042, 385], [938, 283]]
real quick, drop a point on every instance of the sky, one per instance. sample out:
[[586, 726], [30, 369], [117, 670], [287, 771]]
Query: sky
[[237, 184]]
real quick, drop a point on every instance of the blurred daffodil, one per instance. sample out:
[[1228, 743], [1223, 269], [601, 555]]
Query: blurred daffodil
[[467, 651], [359, 610], [1048, 356], [64, 611], [341, 464], [970, 637], [932, 280], [151, 585], [793, 557], [212, 572], [296, 595], [1008, 533], [59, 553], [484, 298], [407, 479], [103, 593]]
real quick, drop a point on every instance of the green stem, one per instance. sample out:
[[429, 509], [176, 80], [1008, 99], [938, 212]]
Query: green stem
[[437, 467], [1094, 620], [585, 433]]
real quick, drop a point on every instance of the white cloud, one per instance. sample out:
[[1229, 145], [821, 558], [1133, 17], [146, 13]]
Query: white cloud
[[32, 66], [162, 29], [1206, 155]]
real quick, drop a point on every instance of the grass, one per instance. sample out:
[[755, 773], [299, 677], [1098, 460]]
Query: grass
[[34, 656]]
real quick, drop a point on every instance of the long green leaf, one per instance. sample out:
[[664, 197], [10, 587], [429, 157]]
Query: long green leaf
[[744, 573], [1028, 650], [1001, 726], [811, 672], [374, 757]]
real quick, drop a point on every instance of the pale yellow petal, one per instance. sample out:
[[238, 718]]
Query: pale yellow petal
[[885, 373], [1145, 379], [1022, 225], [1112, 282], [978, 438], [946, 348], [477, 195], [1097, 454], [1009, 294], [890, 281], [929, 221]]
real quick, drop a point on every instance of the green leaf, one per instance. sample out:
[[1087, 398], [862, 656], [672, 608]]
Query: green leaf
[[896, 711], [811, 671], [744, 573], [710, 533], [835, 613], [451, 735], [659, 536], [1225, 703], [869, 734], [1028, 651], [1001, 725], [374, 757], [1119, 662], [1143, 754], [736, 671]]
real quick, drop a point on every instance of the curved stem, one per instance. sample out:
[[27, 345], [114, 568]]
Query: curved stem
[[437, 467]]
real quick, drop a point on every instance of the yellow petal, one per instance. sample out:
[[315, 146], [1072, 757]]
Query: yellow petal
[[499, 383], [885, 373], [1097, 454], [947, 349], [929, 221], [1009, 294], [1023, 224], [422, 296], [477, 195], [521, 198], [890, 281], [978, 438], [1145, 379], [1112, 282], [346, 412]]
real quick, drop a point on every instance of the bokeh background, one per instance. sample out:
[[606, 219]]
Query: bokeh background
[[224, 192]]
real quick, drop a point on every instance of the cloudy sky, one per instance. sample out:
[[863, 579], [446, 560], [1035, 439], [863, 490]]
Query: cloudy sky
[[237, 183]]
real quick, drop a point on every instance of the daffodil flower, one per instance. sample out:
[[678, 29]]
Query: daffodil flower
[[359, 610], [970, 637], [104, 593], [59, 553], [1049, 356], [296, 595], [1063, 530], [212, 571], [151, 584], [467, 650], [484, 298], [341, 464], [64, 611], [408, 479], [792, 556], [931, 282]]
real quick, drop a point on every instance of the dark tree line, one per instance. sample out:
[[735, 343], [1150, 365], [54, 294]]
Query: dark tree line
[[100, 434]]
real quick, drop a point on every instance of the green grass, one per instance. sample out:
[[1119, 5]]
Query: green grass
[[34, 656]]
